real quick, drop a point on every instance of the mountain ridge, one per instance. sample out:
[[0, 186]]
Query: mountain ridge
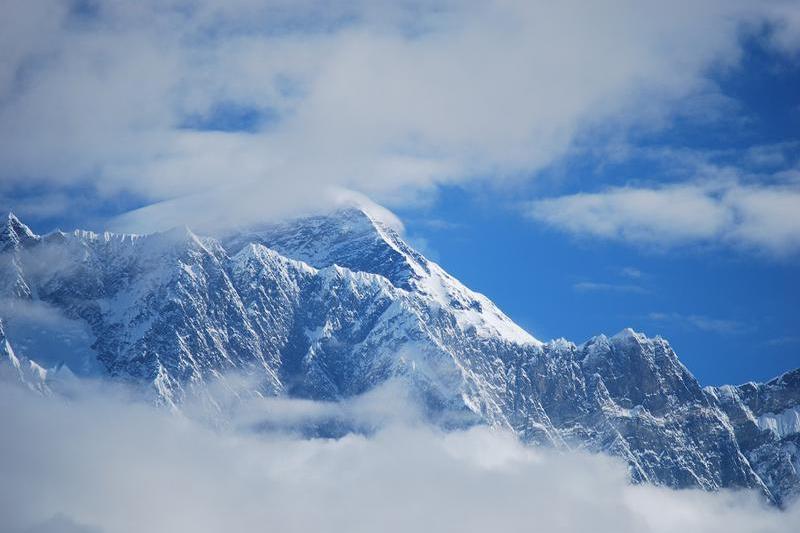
[[328, 307]]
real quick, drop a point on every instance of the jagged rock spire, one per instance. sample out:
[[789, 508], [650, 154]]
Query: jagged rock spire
[[15, 233]]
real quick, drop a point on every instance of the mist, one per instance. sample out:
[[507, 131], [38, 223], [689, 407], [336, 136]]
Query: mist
[[103, 461]]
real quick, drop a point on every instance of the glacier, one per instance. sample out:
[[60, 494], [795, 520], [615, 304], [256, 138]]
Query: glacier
[[329, 307]]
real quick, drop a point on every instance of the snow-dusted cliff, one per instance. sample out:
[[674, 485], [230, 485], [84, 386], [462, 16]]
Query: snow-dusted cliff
[[329, 307]]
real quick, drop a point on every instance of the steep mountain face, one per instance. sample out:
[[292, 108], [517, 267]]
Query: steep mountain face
[[329, 307], [766, 419], [177, 310], [629, 395], [14, 237]]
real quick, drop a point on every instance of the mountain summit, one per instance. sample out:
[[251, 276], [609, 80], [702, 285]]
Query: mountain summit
[[328, 307]]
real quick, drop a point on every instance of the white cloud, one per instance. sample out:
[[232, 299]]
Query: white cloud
[[701, 322], [631, 272], [760, 217], [373, 96], [771, 155], [782, 341], [104, 463], [592, 286], [767, 217]]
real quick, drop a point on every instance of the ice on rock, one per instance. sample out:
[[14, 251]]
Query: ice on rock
[[782, 424]]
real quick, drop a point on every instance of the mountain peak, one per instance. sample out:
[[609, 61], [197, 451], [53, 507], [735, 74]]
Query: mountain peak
[[629, 334], [174, 311], [352, 237], [15, 232]]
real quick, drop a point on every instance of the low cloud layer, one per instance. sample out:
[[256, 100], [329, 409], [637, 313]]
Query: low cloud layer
[[105, 463], [234, 109]]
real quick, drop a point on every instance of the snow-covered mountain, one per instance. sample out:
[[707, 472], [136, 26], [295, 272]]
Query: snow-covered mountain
[[329, 307], [766, 420]]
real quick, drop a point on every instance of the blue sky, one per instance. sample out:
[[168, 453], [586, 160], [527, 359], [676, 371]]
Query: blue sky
[[587, 166], [731, 313]]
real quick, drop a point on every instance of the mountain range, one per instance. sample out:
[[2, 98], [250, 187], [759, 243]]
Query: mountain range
[[328, 307]]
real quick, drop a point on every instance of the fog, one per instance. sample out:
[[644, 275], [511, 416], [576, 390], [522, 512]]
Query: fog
[[103, 461]]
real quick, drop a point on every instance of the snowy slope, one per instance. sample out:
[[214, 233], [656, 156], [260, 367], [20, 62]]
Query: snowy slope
[[328, 307], [360, 242]]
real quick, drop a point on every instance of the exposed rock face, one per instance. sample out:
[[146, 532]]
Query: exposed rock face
[[630, 395], [329, 307], [20, 369], [766, 419], [14, 237]]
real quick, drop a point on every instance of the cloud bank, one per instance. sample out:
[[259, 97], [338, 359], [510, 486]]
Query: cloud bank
[[104, 463], [208, 109]]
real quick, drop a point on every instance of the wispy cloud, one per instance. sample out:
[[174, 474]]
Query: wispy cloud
[[783, 341], [591, 286], [776, 155], [439, 224], [701, 322], [631, 272]]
